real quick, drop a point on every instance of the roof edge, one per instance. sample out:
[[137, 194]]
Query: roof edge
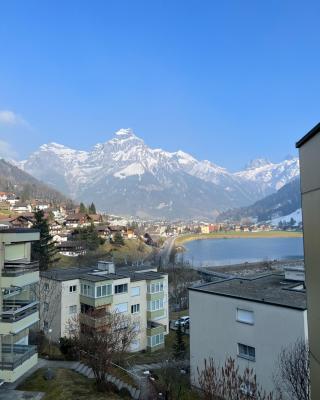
[[308, 136]]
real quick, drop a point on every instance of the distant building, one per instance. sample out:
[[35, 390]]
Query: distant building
[[71, 248], [309, 150], [92, 293], [19, 308], [248, 319]]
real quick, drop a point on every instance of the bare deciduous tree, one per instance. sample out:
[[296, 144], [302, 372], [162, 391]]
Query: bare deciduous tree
[[293, 373], [101, 346], [228, 383]]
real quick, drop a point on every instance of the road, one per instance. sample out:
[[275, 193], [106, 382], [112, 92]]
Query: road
[[166, 249]]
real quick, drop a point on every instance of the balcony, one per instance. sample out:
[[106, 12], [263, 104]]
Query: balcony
[[17, 315], [94, 321], [13, 356], [19, 273]]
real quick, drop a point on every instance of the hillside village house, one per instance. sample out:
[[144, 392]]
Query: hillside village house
[[19, 309], [140, 293], [309, 151], [249, 319]]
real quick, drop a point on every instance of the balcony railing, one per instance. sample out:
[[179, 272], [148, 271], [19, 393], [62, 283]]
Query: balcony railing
[[94, 321], [14, 310], [14, 355], [16, 268]]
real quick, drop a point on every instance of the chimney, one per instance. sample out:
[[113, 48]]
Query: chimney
[[107, 266]]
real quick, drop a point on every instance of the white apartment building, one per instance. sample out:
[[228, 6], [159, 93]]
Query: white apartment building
[[18, 305], [141, 293], [248, 319]]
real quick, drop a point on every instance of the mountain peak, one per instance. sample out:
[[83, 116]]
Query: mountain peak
[[257, 163], [123, 135]]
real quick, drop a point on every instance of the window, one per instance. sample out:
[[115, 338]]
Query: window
[[247, 352], [87, 290], [45, 306], [135, 344], [155, 305], [103, 290], [135, 291], [72, 288], [135, 308], [46, 287], [245, 316], [136, 326], [121, 288], [121, 307], [72, 309], [155, 340], [45, 325], [155, 287]]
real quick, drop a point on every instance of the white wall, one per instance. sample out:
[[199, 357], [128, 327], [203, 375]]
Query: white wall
[[214, 332]]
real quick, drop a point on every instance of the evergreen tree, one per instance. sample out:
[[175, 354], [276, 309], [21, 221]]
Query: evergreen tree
[[179, 346], [43, 250], [118, 239], [82, 208], [92, 209], [93, 240]]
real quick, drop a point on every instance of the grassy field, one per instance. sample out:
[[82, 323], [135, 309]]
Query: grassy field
[[236, 235], [67, 385], [132, 250]]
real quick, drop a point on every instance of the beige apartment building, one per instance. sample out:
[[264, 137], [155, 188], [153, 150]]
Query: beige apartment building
[[140, 293], [248, 319], [309, 151], [18, 306]]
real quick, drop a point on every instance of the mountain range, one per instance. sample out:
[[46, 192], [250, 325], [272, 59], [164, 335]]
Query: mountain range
[[12, 179], [125, 176], [283, 202]]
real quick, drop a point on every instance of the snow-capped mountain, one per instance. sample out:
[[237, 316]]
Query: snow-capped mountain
[[124, 175]]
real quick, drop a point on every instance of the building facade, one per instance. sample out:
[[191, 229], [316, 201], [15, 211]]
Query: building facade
[[91, 293], [248, 319], [309, 151], [18, 306]]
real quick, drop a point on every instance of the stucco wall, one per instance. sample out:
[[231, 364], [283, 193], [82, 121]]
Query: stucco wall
[[215, 332]]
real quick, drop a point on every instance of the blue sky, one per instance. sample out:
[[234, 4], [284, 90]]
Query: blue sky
[[226, 81]]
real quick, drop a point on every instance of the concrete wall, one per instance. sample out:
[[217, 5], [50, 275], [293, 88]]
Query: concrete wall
[[215, 332], [310, 188]]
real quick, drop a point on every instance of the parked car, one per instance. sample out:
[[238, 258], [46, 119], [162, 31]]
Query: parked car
[[182, 321]]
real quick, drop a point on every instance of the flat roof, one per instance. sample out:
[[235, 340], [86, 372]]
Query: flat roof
[[90, 274], [18, 230], [308, 136], [270, 289]]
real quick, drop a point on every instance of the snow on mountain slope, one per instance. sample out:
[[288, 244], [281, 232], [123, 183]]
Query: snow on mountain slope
[[296, 215], [125, 163]]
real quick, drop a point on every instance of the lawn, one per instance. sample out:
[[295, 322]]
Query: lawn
[[67, 385], [156, 356], [132, 250]]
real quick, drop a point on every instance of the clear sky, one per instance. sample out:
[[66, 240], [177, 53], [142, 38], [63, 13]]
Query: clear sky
[[226, 81]]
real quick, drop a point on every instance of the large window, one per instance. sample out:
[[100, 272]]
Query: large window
[[135, 291], [245, 316], [155, 305], [121, 288], [121, 307], [104, 290], [155, 287], [87, 290], [247, 352], [155, 340]]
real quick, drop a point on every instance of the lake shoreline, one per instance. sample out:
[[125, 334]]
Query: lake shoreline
[[180, 240]]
